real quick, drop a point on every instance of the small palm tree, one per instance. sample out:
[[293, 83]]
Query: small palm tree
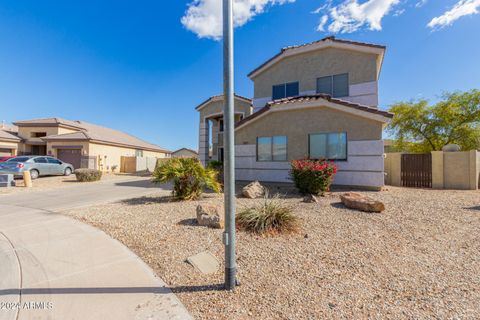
[[189, 177]]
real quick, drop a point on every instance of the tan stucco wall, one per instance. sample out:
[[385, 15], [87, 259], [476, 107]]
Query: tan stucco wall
[[298, 124], [111, 155], [25, 132], [307, 67], [216, 107], [450, 170], [460, 170], [393, 164], [4, 144]]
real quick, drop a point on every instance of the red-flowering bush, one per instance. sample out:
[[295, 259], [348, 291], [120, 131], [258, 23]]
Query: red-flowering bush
[[312, 176]]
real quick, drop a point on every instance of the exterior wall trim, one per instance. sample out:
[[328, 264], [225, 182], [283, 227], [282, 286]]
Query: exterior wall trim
[[317, 104]]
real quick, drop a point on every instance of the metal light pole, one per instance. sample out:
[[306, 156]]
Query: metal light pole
[[229, 157]]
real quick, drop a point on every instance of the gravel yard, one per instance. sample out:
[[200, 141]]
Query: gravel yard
[[418, 259]]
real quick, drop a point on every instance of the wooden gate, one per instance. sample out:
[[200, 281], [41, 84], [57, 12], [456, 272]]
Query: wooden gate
[[416, 170]]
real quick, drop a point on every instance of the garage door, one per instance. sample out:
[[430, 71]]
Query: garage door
[[72, 156], [5, 152]]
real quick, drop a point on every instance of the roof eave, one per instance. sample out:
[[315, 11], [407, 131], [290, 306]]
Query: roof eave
[[321, 44]]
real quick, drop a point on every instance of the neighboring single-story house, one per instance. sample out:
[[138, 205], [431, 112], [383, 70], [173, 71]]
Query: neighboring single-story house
[[317, 100], [184, 153], [80, 143], [8, 142]]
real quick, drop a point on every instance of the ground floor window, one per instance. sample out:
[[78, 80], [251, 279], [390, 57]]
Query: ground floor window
[[330, 146], [138, 153], [272, 148]]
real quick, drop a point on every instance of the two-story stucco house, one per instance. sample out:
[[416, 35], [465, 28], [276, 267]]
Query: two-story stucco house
[[319, 101]]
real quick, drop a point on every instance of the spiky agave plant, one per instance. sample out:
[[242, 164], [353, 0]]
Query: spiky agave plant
[[189, 177], [270, 217]]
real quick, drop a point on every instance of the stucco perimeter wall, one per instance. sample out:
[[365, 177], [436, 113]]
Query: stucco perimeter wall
[[109, 156], [298, 124], [307, 67], [450, 170], [393, 163], [460, 170], [364, 167]]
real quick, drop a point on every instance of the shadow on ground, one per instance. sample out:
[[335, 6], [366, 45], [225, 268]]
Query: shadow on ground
[[148, 200], [473, 208]]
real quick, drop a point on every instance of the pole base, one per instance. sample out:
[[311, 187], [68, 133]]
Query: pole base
[[230, 278]]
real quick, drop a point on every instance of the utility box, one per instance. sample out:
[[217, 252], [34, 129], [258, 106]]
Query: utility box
[[6, 180]]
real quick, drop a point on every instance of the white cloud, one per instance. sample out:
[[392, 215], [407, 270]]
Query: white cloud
[[421, 3], [350, 15], [204, 17], [322, 23], [460, 9]]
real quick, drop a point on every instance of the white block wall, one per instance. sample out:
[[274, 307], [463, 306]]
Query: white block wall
[[364, 165]]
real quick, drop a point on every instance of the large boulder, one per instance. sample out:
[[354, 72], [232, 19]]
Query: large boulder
[[253, 190], [361, 202], [210, 215]]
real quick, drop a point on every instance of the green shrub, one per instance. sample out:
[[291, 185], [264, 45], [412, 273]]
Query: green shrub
[[189, 177], [88, 175], [215, 164], [312, 176], [271, 217]]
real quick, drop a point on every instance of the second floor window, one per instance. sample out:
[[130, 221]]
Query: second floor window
[[336, 86], [285, 90], [220, 125], [38, 134]]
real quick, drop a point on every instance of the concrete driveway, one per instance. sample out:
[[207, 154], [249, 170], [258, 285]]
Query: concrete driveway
[[54, 267]]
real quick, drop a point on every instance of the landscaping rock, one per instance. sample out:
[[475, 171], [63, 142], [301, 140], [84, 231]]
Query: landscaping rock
[[310, 198], [210, 215], [358, 201], [253, 190]]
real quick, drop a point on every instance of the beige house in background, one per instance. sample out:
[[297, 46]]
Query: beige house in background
[[82, 144], [317, 100], [8, 140], [184, 153]]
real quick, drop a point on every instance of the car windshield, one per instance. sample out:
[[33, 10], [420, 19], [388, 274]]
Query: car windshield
[[18, 159]]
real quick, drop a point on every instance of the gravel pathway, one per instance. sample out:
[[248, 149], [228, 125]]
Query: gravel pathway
[[418, 259]]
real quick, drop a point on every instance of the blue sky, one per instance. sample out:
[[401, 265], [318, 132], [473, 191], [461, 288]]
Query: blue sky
[[143, 66]]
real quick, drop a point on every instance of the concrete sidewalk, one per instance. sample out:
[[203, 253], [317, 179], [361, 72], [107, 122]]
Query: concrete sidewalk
[[54, 267]]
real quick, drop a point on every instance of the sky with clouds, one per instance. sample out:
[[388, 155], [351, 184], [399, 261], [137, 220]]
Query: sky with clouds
[[143, 66]]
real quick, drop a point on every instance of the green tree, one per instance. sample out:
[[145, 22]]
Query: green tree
[[419, 127], [189, 177]]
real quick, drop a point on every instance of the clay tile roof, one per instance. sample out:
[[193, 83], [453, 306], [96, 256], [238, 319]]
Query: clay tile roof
[[314, 97], [221, 96], [330, 38]]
